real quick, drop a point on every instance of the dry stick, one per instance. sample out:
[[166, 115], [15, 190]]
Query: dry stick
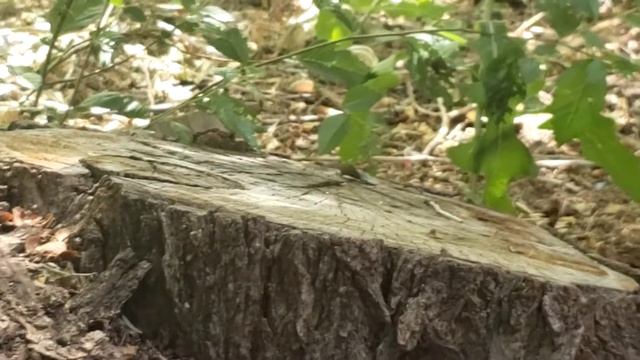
[[411, 99], [54, 39], [444, 128], [463, 110], [527, 24], [150, 89], [556, 163], [440, 211], [96, 72], [213, 86], [67, 53], [106, 68]]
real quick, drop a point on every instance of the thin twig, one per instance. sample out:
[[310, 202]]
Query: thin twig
[[548, 163], [106, 12], [150, 88], [362, 37], [208, 89], [54, 38], [367, 15], [556, 163], [527, 24], [442, 212], [69, 52], [106, 68], [418, 157], [442, 131], [93, 73]]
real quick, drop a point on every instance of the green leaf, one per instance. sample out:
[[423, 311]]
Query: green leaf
[[329, 27], [125, 105], [360, 5], [429, 65], [576, 109], [500, 157], [578, 99], [331, 132], [117, 3], [190, 26], [500, 72], [388, 64], [181, 132], [600, 145], [340, 66], [188, 4], [621, 63], [530, 70], [457, 38], [545, 50], [475, 93], [504, 160], [362, 97], [592, 39], [230, 43], [533, 77], [79, 15], [134, 13], [359, 143], [566, 15], [633, 18], [462, 155], [173, 130], [415, 9], [32, 78], [233, 115]]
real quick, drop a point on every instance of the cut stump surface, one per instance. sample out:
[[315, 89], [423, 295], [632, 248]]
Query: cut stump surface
[[264, 258]]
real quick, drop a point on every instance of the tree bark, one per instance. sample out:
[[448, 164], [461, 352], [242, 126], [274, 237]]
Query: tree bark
[[262, 258]]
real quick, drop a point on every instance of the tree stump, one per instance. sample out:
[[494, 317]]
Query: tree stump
[[263, 258]]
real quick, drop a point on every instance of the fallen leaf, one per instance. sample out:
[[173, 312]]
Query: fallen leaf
[[302, 86], [32, 242], [5, 217], [52, 249]]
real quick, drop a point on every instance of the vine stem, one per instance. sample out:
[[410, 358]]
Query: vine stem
[[292, 54], [106, 12], [54, 38], [363, 37], [367, 15]]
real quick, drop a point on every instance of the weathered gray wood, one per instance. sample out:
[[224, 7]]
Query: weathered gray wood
[[263, 258]]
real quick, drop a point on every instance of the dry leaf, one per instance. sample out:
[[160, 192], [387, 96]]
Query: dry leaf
[[302, 86]]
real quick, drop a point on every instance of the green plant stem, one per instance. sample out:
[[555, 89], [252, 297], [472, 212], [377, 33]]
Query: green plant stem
[[474, 179], [361, 37], [292, 54], [67, 53], [367, 15], [54, 38], [487, 8], [103, 18]]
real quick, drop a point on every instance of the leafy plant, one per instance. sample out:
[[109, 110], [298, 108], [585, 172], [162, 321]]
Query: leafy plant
[[484, 65]]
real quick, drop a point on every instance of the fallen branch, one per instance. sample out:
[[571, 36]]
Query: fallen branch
[[442, 131]]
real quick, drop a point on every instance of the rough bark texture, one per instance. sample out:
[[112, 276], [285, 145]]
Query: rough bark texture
[[255, 258]]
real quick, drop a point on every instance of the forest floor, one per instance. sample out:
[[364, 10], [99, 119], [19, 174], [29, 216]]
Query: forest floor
[[571, 198]]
